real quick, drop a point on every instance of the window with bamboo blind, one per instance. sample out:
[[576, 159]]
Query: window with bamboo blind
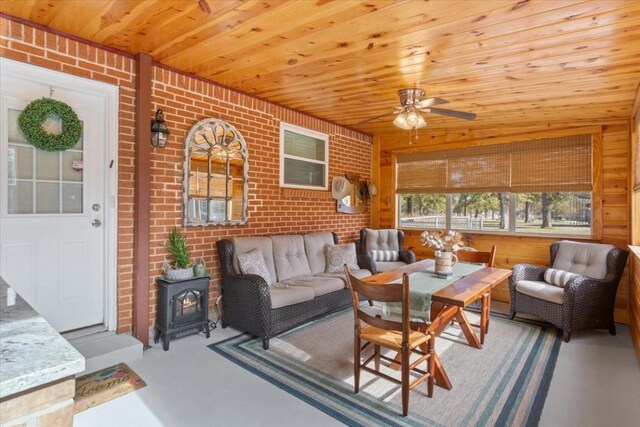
[[538, 186]]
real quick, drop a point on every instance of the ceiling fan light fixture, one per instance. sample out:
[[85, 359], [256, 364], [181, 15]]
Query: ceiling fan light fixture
[[412, 118], [401, 121], [421, 122]]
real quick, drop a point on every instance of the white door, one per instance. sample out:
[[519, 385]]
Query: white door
[[52, 213]]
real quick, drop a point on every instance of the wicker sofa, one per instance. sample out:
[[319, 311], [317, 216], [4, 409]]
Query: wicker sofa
[[300, 291]]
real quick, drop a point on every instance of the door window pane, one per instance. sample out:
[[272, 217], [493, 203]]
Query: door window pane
[[47, 165], [47, 197], [20, 200], [68, 171], [15, 134], [20, 162], [71, 198]]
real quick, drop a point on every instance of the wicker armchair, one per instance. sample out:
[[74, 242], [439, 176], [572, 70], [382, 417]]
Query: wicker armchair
[[584, 302], [389, 240]]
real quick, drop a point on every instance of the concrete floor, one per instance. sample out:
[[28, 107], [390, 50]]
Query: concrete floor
[[596, 383]]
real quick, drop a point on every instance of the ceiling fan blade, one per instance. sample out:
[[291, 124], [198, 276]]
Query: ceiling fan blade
[[453, 113], [431, 101], [374, 118]]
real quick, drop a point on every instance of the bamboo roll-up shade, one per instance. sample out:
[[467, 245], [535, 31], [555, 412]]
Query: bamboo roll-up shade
[[553, 164]]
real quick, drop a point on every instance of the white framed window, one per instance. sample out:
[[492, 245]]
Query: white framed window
[[304, 158]]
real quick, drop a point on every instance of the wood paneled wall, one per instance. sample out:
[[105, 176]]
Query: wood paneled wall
[[634, 286], [518, 249]]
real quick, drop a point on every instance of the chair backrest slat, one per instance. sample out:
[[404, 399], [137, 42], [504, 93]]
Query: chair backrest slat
[[390, 292], [487, 258]]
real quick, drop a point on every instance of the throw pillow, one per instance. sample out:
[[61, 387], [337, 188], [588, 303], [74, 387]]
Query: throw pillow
[[558, 277], [252, 262], [385, 255], [339, 255]]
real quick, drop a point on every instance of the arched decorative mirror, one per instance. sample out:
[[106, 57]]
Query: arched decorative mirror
[[216, 171]]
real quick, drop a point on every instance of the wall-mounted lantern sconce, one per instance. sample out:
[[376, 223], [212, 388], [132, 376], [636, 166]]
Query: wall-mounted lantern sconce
[[159, 131]]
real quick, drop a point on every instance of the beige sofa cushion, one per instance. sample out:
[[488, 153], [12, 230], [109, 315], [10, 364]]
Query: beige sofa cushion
[[246, 244], [314, 246], [289, 257], [320, 285], [381, 240], [588, 259], [541, 290], [283, 295]]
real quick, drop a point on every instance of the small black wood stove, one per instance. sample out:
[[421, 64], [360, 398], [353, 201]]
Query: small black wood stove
[[182, 309]]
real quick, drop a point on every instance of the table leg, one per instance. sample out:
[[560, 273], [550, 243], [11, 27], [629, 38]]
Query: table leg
[[466, 329], [441, 377], [484, 316]]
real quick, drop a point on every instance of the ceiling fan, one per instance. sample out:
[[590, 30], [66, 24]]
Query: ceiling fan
[[408, 114]]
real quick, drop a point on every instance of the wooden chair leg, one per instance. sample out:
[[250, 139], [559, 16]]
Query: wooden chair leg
[[356, 363], [376, 350], [405, 380], [431, 364]]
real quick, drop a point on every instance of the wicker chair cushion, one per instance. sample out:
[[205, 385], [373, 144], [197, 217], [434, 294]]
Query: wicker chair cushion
[[289, 257], [283, 295], [339, 255], [587, 259], [384, 266], [314, 246], [252, 262], [385, 255], [391, 339], [320, 285], [382, 240], [558, 277], [245, 244], [541, 290]]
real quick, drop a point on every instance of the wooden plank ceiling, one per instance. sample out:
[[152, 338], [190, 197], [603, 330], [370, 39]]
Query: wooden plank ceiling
[[514, 63]]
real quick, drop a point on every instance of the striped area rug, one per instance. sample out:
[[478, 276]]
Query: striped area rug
[[504, 384]]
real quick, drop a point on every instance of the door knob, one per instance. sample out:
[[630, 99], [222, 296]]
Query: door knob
[[96, 223]]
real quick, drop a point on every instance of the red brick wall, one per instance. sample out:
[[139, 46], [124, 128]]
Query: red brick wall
[[185, 100]]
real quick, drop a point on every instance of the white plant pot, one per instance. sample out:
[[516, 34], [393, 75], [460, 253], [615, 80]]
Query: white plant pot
[[444, 263]]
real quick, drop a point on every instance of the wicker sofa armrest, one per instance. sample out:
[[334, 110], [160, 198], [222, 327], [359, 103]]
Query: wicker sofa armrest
[[526, 272], [365, 261], [246, 297], [407, 256]]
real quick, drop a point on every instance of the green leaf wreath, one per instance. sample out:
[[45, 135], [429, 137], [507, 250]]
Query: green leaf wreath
[[34, 115]]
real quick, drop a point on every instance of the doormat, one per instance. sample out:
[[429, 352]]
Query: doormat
[[105, 385]]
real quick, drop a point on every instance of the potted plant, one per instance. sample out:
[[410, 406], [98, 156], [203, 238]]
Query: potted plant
[[182, 267]]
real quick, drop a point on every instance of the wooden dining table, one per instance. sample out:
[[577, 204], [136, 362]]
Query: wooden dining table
[[448, 303]]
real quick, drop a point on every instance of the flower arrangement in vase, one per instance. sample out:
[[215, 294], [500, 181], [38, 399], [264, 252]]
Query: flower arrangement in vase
[[444, 244]]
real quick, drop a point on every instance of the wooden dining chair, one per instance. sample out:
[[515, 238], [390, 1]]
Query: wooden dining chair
[[477, 257], [488, 259], [393, 335]]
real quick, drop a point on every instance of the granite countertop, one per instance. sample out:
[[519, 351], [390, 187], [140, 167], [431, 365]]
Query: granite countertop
[[32, 353]]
